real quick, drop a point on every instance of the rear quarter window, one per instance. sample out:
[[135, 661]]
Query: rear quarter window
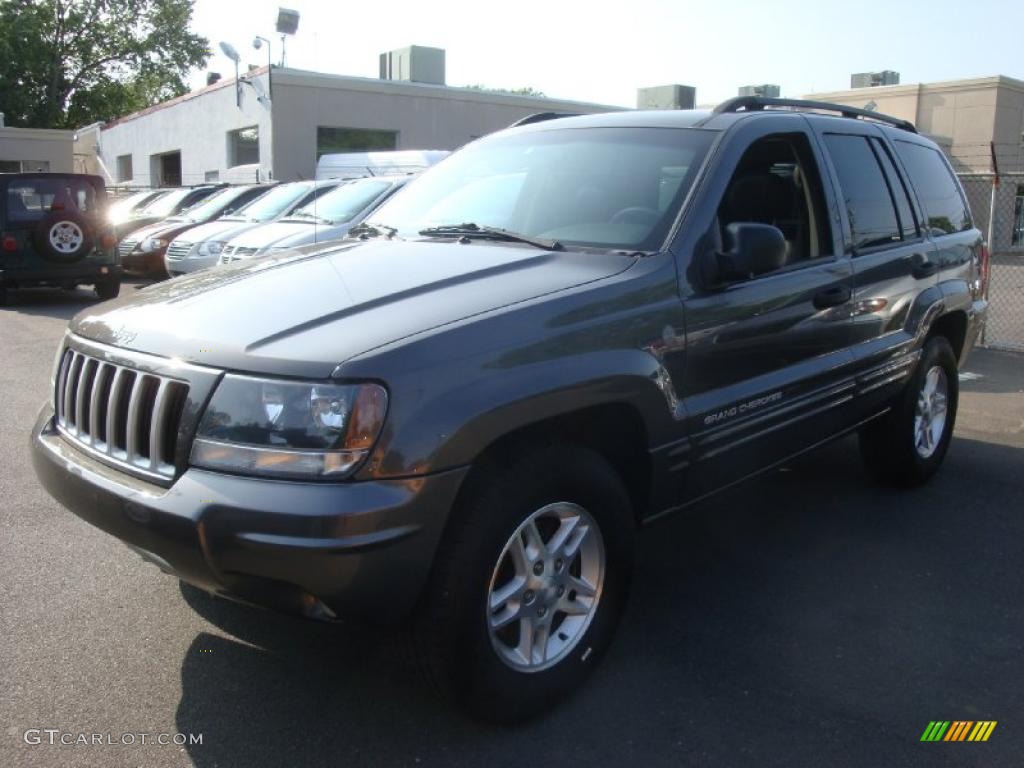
[[937, 189]]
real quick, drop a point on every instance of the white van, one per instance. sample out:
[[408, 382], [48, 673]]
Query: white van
[[356, 165]]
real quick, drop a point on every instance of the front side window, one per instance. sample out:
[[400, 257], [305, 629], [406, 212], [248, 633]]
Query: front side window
[[776, 182], [936, 188], [594, 187], [866, 196], [244, 146]]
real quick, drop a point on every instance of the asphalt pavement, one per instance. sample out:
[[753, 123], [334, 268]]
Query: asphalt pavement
[[808, 618]]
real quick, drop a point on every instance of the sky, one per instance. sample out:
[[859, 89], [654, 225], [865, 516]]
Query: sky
[[602, 52]]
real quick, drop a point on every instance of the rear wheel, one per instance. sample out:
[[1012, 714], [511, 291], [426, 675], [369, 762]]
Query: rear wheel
[[907, 445], [108, 289], [529, 584]]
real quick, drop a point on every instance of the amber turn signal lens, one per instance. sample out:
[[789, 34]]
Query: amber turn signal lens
[[367, 417]]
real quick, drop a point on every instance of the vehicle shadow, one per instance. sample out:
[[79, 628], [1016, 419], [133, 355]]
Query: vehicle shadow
[[778, 624], [59, 303]]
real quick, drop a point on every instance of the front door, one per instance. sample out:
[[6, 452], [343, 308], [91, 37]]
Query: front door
[[767, 358]]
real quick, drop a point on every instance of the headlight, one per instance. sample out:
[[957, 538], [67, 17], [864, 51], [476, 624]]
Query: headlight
[[208, 249], [289, 429], [153, 244]]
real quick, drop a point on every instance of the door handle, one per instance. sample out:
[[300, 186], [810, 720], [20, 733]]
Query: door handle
[[925, 269], [832, 297]]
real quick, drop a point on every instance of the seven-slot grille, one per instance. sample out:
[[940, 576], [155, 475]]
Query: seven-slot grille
[[118, 413], [126, 246], [178, 250]]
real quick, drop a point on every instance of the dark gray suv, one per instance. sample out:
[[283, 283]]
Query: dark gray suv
[[559, 334]]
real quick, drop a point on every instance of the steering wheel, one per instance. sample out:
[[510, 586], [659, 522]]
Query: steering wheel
[[638, 215]]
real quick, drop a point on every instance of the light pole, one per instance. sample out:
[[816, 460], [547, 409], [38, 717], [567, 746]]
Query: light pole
[[231, 53], [257, 43]]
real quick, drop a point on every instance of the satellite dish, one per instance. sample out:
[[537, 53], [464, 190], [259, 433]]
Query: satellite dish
[[230, 52]]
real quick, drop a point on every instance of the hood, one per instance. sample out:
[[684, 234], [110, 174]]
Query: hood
[[301, 314], [218, 229], [163, 228], [266, 235]]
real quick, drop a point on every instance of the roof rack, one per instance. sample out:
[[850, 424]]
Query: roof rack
[[759, 103], [540, 117]]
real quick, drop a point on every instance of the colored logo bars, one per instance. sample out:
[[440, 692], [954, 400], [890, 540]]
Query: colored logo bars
[[958, 730]]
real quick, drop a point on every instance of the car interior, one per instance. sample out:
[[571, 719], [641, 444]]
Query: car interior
[[777, 183]]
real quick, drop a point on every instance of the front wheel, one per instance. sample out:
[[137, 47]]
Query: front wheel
[[907, 445], [108, 290], [530, 583]]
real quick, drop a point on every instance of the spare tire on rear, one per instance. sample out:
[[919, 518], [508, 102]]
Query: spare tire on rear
[[63, 236]]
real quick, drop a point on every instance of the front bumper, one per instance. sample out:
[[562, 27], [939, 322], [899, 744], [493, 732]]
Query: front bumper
[[151, 263], [318, 549], [176, 267], [80, 272]]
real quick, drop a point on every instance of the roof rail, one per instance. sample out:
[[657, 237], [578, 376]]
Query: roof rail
[[759, 103], [540, 117]]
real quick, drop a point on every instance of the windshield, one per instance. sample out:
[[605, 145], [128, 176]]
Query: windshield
[[599, 187], [343, 204], [210, 207], [165, 206], [119, 210], [33, 198], [274, 203]]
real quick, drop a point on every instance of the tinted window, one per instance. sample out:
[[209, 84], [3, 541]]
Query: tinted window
[[899, 191], [936, 188], [32, 199], [865, 194]]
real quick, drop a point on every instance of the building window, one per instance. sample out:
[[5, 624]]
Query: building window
[[211, 176], [331, 140], [124, 167], [244, 146], [10, 166], [1018, 217]]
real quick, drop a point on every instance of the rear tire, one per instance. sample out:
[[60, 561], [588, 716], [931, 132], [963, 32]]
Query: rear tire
[[108, 290], [906, 446], [568, 494]]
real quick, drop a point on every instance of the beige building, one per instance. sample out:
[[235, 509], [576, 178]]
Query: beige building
[[967, 118], [24, 150]]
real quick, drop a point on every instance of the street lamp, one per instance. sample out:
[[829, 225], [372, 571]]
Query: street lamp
[[257, 43], [231, 53]]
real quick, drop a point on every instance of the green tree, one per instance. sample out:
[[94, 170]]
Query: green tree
[[527, 91], [68, 63]]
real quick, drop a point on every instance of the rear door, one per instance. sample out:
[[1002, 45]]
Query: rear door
[[893, 262], [766, 358]]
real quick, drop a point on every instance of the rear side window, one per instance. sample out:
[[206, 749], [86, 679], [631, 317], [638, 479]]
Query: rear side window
[[869, 205], [936, 188], [899, 191]]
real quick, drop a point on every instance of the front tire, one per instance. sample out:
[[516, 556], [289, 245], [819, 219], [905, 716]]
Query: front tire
[[906, 446], [108, 290], [530, 582]]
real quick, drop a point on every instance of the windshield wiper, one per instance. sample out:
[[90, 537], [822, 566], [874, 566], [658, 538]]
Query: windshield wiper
[[470, 229], [366, 231]]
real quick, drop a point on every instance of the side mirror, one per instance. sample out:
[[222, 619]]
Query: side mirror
[[751, 249]]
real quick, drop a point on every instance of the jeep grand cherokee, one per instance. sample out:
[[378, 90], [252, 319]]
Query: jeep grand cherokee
[[559, 334]]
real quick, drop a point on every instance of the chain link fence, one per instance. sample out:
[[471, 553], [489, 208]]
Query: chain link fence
[[998, 210]]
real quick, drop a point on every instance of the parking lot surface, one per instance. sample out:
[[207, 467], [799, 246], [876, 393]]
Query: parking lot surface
[[807, 618]]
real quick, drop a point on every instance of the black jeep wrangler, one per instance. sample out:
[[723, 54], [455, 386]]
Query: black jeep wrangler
[[559, 334], [53, 231]]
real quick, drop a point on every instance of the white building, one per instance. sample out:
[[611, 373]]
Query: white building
[[279, 121]]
